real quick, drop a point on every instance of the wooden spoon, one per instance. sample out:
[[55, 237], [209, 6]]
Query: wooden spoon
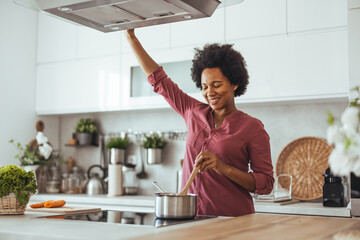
[[184, 191]]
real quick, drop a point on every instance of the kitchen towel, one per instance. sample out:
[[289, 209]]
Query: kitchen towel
[[115, 180]]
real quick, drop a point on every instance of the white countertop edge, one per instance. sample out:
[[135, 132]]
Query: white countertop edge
[[146, 203], [302, 208]]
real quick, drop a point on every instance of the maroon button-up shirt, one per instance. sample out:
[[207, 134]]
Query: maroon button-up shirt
[[240, 140]]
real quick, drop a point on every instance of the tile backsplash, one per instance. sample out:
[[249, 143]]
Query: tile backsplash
[[283, 122]]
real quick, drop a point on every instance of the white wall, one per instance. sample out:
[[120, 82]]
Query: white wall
[[18, 43]]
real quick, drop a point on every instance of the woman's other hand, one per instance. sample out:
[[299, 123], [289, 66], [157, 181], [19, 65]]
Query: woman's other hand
[[208, 160]]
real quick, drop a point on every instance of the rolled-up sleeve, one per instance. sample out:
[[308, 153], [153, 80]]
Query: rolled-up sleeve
[[178, 100], [261, 165]]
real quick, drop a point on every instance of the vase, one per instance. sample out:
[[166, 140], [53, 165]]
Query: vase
[[153, 155], [31, 168], [117, 156], [84, 138]]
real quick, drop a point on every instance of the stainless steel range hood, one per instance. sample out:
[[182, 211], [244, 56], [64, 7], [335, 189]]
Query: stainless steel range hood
[[114, 15]]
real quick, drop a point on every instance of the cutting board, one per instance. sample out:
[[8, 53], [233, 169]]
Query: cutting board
[[64, 209]]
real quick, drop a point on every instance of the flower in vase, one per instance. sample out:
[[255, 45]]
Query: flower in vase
[[345, 137]]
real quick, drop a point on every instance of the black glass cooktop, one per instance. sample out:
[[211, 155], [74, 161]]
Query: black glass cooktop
[[123, 217]]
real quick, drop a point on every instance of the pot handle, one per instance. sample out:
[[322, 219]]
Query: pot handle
[[95, 166]]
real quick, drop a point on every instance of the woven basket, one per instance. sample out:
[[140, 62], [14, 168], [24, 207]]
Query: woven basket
[[9, 205], [306, 159]]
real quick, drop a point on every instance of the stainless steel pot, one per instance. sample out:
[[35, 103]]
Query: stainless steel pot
[[172, 206]]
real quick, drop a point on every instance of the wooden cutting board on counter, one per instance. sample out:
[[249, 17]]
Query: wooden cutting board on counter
[[64, 209]]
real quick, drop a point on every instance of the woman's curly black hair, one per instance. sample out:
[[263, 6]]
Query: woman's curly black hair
[[230, 62]]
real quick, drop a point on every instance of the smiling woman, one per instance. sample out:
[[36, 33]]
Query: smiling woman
[[221, 140]]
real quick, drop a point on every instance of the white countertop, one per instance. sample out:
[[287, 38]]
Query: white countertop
[[146, 204], [28, 226], [314, 208]]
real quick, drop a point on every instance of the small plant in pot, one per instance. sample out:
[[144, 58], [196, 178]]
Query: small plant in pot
[[85, 131], [153, 144], [117, 146], [28, 155], [16, 188]]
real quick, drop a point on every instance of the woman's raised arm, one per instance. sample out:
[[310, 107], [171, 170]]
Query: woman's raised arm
[[147, 64]]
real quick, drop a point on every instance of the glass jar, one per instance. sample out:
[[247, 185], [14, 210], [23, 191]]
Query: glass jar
[[75, 181], [64, 185], [131, 185], [53, 186]]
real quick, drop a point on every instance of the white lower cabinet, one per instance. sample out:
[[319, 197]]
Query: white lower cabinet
[[77, 86]]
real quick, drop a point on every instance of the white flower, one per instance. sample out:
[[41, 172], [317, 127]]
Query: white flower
[[335, 135], [40, 138], [45, 150], [338, 162], [343, 161], [350, 120]]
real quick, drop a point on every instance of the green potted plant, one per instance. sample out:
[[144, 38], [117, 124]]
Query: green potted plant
[[117, 146], [30, 157], [85, 131], [153, 144], [16, 187]]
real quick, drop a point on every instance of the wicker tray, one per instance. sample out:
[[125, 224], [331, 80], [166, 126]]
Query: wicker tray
[[9, 205], [306, 159]]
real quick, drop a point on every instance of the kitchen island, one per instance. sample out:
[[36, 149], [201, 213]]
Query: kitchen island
[[254, 226]]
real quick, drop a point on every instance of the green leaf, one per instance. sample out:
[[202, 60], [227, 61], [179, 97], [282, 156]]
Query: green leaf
[[330, 119], [347, 143], [153, 141], [17, 180], [86, 125], [356, 88], [355, 102], [117, 142]]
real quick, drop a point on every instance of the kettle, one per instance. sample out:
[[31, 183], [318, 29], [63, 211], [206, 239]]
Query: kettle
[[95, 184]]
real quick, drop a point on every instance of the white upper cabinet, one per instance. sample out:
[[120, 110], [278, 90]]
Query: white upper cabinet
[[310, 15], [295, 50], [57, 39], [89, 85], [354, 49], [199, 31], [93, 43], [152, 38], [137, 91], [255, 18], [311, 66]]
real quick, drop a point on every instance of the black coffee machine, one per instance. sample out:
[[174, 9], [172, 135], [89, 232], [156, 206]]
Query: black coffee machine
[[335, 191]]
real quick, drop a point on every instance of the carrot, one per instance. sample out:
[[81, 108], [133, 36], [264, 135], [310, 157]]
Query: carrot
[[38, 205], [53, 204], [55, 217]]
